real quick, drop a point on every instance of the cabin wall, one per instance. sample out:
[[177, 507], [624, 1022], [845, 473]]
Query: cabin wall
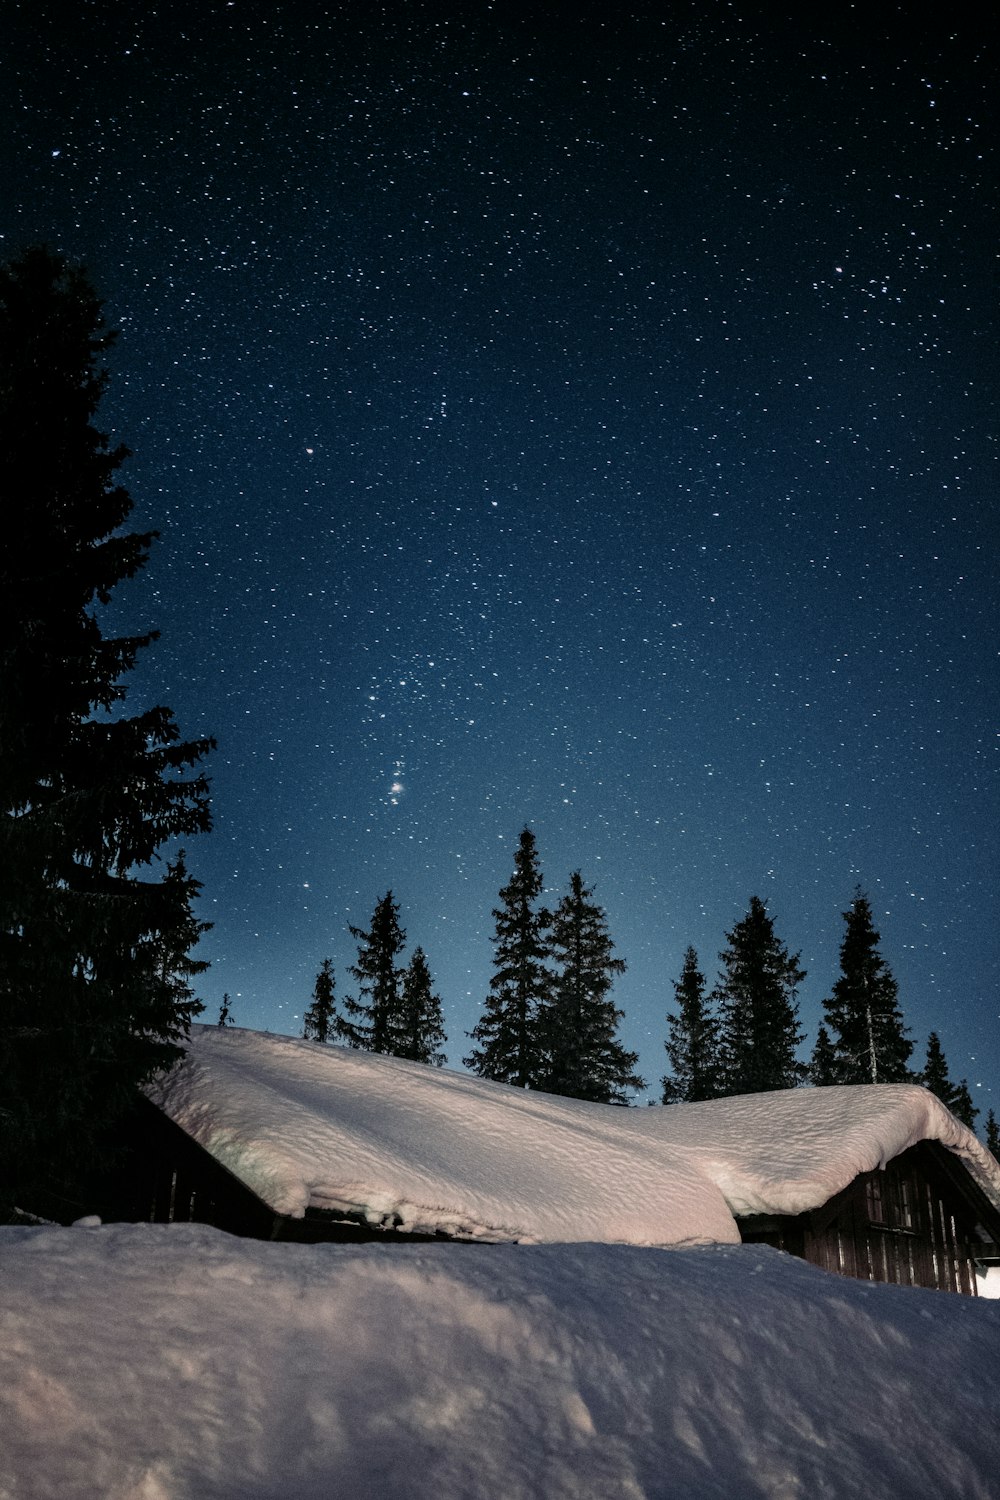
[[910, 1224]]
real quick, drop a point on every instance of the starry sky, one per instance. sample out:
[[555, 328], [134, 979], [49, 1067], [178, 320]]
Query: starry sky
[[582, 418]]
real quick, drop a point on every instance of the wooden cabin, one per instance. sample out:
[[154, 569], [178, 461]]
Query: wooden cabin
[[920, 1221], [281, 1139]]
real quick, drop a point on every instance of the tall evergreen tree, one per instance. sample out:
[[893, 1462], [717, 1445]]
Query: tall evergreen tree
[[935, 1076], [320, 1022], [421, 1028], [935, 1071], [95, 993], [510, 1047], [759, 1029], [692, 1040], [866, 1024], [579, 1022], [962, 1106], [823, 1063], [993, 1134], [373, 1021]]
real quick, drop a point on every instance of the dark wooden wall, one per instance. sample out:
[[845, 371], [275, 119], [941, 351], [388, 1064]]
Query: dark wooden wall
[[919, 1222]]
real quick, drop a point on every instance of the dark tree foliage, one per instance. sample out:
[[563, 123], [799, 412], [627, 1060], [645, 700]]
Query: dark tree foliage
[[935, 1072], [373, 1021], [225, 1015], [508, 1036], [692, 1040], [962, 1106], [759, 1029], [95, 993], [579, 1023], [421, 1030], [935, 1077], [993, 1134], [320, 1021], [823, 1064], [863, 1015]]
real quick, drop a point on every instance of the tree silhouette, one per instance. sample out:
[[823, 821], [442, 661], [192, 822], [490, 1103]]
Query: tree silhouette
[[421, 1027], [95, 993], [759, 1028], [935, 1076], [583, 1057], [870, 1043], [373, 1020], [692, 1040], [509, 1043], [320, 1022]]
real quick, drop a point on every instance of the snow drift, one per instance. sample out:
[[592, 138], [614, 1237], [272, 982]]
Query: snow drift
[[151, 1362]]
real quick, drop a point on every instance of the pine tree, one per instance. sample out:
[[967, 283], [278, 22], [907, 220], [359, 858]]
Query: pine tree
[[373, 1021], [935, 1071], [421, 1028], [993, 1134], [759, 1028], [866, 1024], [510, 1046], [935, 1076], [94, 974], [692, 1040], [225, 1018], [578, 1024], [823, 1064], [320, 1021], [962, 1106]]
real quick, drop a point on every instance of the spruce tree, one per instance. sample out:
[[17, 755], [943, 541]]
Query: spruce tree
[[579, 1022], [692, 1040], [866, 1024], [95, 994], [759, 1029], [373, 1021], [823, 1063], [962, 1106], [935, 1076], [225, 1017], [935, 1071], [320, 1021], [421, 1027], [993, 1134], [510, 1047]]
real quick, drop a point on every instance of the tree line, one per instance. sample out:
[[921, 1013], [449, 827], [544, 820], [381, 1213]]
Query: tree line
[[549, 1021], [742, 1036]]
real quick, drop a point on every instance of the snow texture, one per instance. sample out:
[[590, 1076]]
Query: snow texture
[[154, 1362], [430, 1150]]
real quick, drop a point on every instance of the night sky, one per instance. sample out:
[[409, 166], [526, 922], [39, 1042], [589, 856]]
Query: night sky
[[585, 421]]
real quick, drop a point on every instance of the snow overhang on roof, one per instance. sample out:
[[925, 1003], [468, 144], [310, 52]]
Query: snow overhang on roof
[[793, 1150], [428, 1150], [432, 1151]]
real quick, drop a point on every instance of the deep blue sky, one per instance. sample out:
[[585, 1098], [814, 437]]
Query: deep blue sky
[[585, 420]]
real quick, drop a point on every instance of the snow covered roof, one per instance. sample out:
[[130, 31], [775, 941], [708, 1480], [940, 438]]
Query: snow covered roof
[[793, 1150], [428, 1150]]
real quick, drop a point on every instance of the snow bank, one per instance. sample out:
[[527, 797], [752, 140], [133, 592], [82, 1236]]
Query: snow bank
[[144, 1362], [431, 1150], [427, 1149]]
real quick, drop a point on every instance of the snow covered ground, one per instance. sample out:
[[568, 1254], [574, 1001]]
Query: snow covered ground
[[142, 1362], [428, 1149]]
